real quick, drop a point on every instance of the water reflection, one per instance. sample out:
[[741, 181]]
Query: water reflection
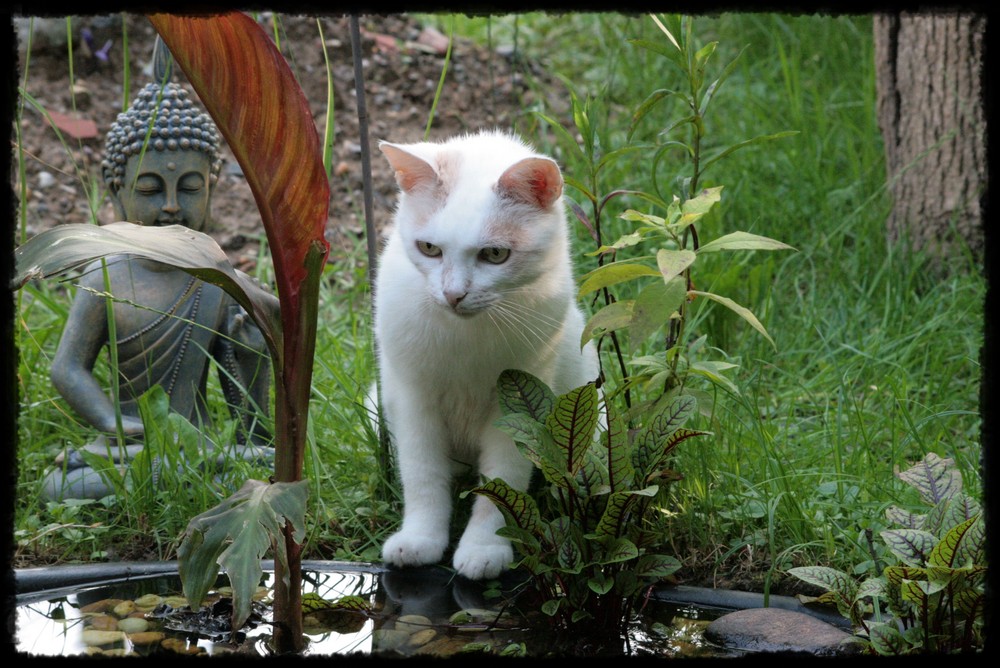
[[425, 611]]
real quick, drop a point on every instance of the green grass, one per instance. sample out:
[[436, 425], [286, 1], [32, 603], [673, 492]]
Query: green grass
[[876, 360]]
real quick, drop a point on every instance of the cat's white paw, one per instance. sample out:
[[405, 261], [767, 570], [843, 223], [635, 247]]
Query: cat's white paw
[[413, 549], [484, 561]]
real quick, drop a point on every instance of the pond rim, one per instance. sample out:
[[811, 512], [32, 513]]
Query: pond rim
[[45, 582]]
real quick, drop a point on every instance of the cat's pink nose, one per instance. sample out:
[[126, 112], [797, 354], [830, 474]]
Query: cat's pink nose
[[454, 298]]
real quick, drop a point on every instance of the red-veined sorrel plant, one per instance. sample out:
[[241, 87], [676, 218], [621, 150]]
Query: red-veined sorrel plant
[[247, 87]]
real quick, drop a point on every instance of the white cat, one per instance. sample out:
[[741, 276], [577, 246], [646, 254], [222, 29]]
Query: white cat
[[475, 278]]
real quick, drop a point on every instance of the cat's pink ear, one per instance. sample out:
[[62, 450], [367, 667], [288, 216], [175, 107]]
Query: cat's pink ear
[[535, 181], [412, 173]]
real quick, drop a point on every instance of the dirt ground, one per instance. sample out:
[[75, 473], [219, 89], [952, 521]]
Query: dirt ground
[[402, 66]]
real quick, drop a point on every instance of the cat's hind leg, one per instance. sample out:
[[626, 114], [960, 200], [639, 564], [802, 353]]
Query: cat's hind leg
[[481, 553]]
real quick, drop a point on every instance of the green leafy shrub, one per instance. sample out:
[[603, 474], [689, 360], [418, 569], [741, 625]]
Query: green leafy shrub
[[934, 595], [644, 278], [588, 537], [591, 537]]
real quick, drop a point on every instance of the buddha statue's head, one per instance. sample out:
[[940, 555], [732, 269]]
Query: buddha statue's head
[[162, 161]]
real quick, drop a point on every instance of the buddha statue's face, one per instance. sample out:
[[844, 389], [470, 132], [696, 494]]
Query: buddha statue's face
[[166, 188]]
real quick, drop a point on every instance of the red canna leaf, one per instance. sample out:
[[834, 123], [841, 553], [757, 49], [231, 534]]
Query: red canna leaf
[[248, 88]]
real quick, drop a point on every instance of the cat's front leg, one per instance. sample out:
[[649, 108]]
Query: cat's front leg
[[481, 553], [425, 472]]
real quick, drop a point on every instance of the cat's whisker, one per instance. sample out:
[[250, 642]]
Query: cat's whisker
[[540, 315], [522, 323], [499, 327]]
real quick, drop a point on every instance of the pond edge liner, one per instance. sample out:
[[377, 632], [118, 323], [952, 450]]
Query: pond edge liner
[[43, 582]]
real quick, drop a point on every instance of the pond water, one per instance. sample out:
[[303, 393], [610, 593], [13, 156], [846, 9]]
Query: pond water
[[414, 612]]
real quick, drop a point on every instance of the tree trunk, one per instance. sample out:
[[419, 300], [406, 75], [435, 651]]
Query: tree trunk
[[932, 117]]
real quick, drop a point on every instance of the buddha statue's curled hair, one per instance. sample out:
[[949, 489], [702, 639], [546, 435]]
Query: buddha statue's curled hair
[[177, 124]]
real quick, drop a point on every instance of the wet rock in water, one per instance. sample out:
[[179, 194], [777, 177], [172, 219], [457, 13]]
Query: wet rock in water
[[125, 608], [104, 605], [132, 625], [92, 637], [421, 638], [103, 623], [412, 623], [146, 637], [386, 640], [778, 630]]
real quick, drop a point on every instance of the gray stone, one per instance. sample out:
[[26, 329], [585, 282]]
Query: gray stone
[[777, 630]]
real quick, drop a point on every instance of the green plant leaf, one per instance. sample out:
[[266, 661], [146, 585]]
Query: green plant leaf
[[235, 535], [934, 478], [645, 107], [517, 507], [912, 546], [520, 427], [612, 274], [693, 209], [616, 549], [654, 306], [529, 544], [871, 587], [742, 241], [551, 607], [656, 566], [613, 444], [712, 369], [743, 144], [672, 263], [713, 88], [625, 241], [957, 509], [660, 435], [65, 247], [669, 51], [969, 603], [741, 311], [576, 183], [592, 480], [829, 579], [568, 139], [947, 549], [887, 640], [601, 583], [904, 518], [895, 575], [919, 592], [972, 548], [572, 424], [569, 553], [612, 317], [616, 512], [521, 392], [681, 435]]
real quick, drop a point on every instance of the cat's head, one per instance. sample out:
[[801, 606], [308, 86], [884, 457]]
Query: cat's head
[[481, 217]]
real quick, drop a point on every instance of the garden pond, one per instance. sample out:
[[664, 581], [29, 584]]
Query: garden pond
[[381, 612]]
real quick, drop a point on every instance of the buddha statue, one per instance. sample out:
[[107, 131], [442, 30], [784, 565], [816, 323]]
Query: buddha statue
[[161, 165]]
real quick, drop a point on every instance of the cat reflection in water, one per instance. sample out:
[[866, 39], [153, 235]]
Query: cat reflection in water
[[475, 278]]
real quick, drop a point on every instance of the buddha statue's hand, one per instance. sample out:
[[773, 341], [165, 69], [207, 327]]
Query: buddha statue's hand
[[132, 427]]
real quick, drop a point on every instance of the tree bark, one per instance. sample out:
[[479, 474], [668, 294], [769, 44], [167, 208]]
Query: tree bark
[[932, 116]]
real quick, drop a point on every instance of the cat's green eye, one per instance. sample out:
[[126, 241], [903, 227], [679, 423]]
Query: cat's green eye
[[494, 255], [428, 249]]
